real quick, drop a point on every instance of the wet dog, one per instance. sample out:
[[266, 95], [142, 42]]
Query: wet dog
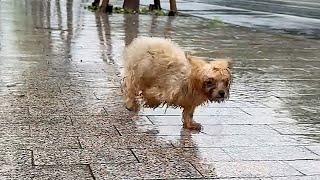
[[158, 72]]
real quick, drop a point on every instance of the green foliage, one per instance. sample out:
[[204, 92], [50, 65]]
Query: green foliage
[[91, 8], [159, 13], [144, 10], [216, 23]]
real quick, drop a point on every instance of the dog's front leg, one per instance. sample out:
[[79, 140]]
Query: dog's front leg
[[188, 121]]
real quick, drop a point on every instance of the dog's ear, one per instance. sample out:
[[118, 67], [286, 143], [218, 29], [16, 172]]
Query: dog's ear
[[196, 58], [189, 56], [222, 64], [230, 63]]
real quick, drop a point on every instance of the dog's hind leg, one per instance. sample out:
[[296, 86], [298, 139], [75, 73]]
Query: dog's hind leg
[[188, 121]]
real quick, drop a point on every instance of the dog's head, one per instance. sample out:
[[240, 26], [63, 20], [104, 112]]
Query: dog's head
[[216, 80]]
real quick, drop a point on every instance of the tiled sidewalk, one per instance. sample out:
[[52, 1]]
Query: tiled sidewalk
[[61, 113]]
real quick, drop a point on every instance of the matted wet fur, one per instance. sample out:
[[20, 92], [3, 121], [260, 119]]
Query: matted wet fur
[[158, 72]]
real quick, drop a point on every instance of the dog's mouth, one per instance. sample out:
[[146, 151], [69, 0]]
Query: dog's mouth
[[217, 99]]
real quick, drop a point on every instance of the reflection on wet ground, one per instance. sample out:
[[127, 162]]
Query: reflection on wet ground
[[61, 111], [287, 17]]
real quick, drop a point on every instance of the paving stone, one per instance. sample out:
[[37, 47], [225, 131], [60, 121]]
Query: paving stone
[[306, 139], [50, 120], [314, 149], [51, 142], [61, 104], [49, 172], [16, 130], [307, 167], [194, 155], [274, 153], [231, 141], [297, 178], [214, 130], [49, 111], [82, 156], [262, 111], [199, 111], [253, 169], [8, 111], [10, 160], [297, 128], [122, 142], [236, 104], [216, 120], [14, 118], [168, 170], [220, 111], [53, 130], [117, 118], [90, 126]]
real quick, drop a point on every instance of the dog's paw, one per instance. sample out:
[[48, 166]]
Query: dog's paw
[[132, 109], [193, 126], [129, 109], [132, 106]]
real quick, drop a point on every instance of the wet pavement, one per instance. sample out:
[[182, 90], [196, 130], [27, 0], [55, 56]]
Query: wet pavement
[[281, 16], [62, 117]]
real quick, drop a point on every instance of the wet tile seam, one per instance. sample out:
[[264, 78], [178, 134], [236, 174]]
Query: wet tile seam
[[79, 143], [117, 130], [306, 147], [245, 112], [232, 159], [293, 167], [135, 156], [196, 169], [275, 129], [148, 118], [91, 172], [105, 110], [32, 158], [95, 95]]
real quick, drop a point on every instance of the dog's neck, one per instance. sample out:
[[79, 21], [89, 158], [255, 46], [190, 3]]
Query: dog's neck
[[191, 92], [195, 79], [194, 83]]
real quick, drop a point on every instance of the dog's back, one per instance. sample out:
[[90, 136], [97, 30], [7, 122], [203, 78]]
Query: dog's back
[[157, 66], [142, 47]]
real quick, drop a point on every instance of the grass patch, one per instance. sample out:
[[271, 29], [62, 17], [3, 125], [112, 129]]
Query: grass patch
[[216, 23], [91, 8]]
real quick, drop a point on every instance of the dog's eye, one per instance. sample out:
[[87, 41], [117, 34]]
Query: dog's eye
[[226, 83], [210, 84]]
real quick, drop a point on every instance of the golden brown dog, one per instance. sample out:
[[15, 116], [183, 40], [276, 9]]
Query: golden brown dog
[[159, 73]]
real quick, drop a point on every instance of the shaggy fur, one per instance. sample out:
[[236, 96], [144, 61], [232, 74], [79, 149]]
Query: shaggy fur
[[158, 72]]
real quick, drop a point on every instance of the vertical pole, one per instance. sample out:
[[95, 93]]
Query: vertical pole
[[104, 4], [131, 5], [157, 4], [173, 8]]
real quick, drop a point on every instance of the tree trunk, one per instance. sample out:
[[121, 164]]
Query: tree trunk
[[173, 8], [157, 4], [131, 5], [104, 5], [96, 3]]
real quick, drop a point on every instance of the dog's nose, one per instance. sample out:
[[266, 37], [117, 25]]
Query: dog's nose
[[221, 93]]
